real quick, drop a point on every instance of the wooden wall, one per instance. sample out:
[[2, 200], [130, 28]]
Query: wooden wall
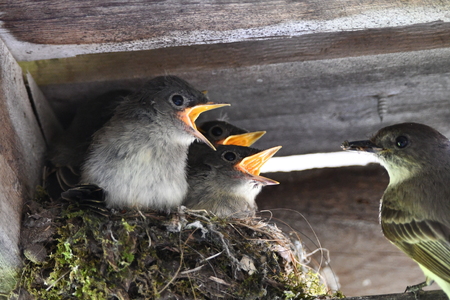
[[21, 151]]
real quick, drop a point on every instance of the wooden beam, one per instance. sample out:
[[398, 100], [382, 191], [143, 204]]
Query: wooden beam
[[48, 122], [21, 151], [82, 22], [310, 47], [69, 28], [305, 106], [429, 295]]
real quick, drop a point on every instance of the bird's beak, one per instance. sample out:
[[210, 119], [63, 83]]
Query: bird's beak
[[366, 146], [252, 165], [190, 114], [244, 139]]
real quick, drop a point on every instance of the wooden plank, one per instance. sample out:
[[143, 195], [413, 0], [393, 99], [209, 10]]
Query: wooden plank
[[21, 152], [429, 295], [46, 117], [309, 106], [104, 26], [72, 22], [340, 206], [319, 46]]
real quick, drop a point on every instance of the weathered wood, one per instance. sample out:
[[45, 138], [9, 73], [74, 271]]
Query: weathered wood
[[21, 151], [102, 26], [341, 205], [71, 22], [429, 295], [45, 114], [310, 106], [143, 64]]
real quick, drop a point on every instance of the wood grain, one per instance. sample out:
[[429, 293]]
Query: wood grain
[[87, 22], [21, 151], [429, 295], [46, 117], [142, 64], [308, 106]]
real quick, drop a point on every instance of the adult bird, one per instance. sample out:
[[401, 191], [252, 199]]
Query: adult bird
[[139, 155], [415, 208], [225, 182]]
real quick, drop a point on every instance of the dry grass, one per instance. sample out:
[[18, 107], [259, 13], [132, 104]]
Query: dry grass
[[149, 255]]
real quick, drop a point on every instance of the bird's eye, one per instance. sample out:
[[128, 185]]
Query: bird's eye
[[178, 100], [230, 156], [216, 131], [401, 141]]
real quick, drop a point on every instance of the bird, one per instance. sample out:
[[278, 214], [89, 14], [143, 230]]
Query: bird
[[225, 182], [223, 133], [139, 155], [415, 207]]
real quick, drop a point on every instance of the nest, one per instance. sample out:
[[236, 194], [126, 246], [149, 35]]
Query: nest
[[75, 253]]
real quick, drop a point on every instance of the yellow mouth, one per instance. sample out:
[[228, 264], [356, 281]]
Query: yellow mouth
[[252, 165], [244, 139], [190, 114]]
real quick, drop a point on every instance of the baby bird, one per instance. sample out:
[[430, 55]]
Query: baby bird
[[139, 155], [225, 182], [224, 133]]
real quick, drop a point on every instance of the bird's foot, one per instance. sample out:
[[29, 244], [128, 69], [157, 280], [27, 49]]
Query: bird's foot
[[416, 288], [88, 196]]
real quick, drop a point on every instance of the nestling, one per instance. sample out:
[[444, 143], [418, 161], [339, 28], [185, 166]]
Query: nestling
[[224, 133], [226, 182], [139, 155]]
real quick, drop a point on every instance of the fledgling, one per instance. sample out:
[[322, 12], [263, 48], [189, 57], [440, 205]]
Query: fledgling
[[224, 133], [139, 155], [415, 208], [226, 182]]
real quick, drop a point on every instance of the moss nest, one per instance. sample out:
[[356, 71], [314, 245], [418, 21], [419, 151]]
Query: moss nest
[[74, 252]]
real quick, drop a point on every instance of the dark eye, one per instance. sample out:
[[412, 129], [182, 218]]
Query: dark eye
[[230, 156], [401, 141], [178, 100], [216, 131]]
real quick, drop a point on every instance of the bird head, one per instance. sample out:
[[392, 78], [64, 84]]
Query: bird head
[[406, 148], [224, 133], [240, 164], [173, 103]]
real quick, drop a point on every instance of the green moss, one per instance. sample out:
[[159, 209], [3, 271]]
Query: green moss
[[128, 227]]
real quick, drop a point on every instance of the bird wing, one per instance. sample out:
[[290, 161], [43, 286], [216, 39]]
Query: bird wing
[[425, 241]]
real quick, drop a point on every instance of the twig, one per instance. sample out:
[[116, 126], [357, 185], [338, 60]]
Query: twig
[[56, 281], [179, 268], [224, 243]]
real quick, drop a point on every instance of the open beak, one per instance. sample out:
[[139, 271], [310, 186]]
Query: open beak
[[244, 139], [190, 114], [366, 146], [252, 165]]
